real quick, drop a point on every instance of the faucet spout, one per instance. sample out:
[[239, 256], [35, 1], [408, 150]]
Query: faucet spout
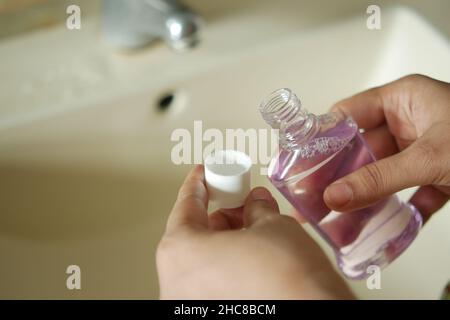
[[132, 24]]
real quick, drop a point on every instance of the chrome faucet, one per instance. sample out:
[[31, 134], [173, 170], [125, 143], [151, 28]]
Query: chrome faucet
[[132, 24]]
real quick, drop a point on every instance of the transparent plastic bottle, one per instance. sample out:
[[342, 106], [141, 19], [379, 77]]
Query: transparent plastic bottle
[[315, 151]]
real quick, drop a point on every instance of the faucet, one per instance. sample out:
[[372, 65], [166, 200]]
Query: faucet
[[132, 24]]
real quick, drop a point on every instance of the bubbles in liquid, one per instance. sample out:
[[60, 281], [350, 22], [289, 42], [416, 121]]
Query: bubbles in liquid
[[322, 146]]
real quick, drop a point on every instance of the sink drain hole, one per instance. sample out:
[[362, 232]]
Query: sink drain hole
[[165, 102]]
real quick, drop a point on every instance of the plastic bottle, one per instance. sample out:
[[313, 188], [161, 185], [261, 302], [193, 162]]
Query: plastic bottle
[[315, 151]]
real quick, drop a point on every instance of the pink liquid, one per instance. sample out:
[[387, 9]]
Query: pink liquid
[[375, 235]]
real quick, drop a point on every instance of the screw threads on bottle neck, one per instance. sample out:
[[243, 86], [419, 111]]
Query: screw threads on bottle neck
[[281, 107], [283, 110]]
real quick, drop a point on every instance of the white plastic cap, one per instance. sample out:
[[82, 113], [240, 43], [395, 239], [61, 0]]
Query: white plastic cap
[[227, 175]]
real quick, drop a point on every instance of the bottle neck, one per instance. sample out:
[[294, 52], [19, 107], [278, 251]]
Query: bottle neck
[[283, 110]]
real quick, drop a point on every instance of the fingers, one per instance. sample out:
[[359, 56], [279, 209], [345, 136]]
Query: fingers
[[190, 209], [226, 219], [428, 200], [218, 221], [381, 142], [407, 115], [374, 107], [259, 205], [366, 108], [377, 180]]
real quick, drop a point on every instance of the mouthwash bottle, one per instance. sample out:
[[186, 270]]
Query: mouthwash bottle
[[316, 150]]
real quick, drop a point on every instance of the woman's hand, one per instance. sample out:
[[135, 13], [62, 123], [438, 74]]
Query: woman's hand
[[247, 253], [407, 123]]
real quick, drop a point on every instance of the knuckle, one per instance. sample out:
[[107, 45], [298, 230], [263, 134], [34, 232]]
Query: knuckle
[[338, 106], [373, 178], [415, 78], [426, 151], [410, 83], [430, 162], [425, 154]]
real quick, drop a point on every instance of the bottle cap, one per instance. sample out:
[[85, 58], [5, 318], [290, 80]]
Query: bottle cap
[[227, 175]]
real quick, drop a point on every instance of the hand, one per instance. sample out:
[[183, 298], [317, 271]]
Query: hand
[[407, 123], [247, 253]]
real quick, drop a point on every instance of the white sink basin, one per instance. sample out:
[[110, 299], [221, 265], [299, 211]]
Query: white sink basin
[[85, 170]]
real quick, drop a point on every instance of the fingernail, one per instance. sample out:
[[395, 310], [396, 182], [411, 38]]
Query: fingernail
[[261, 194], [338, 194]]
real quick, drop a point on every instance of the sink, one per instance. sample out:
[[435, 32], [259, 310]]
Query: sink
[[85, 170]]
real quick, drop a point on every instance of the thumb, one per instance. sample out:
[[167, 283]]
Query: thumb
[[258, 205], [379, 179]]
